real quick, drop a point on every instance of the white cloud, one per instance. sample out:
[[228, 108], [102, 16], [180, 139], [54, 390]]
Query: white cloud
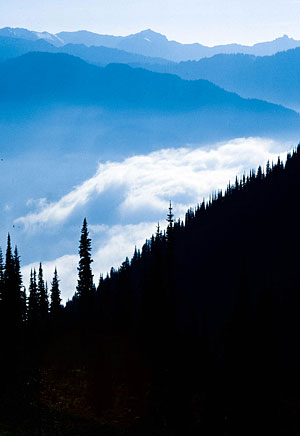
[[39, 203], [186, 174]]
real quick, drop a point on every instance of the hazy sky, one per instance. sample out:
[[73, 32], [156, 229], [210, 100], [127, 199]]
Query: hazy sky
[[205, 21]]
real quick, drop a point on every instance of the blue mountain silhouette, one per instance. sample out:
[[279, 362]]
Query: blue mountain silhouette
[[67, 78], [12, 47], [272, 78], [123, 108], [150, 43], [153, 44]]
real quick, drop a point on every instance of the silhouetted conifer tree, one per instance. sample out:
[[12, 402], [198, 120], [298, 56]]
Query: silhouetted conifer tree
[[85, 286], [33, 301], [136, 256], [9, 278], [259, 174], [12, 302], [43, 296], [21, 299], [100, 284], [170, 221], [55, 305], [2, 292], [1, 278]]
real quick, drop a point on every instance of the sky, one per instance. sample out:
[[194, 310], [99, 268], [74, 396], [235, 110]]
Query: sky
[[209, 22]]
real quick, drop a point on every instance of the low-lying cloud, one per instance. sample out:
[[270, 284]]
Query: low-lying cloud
[[185, 175], [154, 178]]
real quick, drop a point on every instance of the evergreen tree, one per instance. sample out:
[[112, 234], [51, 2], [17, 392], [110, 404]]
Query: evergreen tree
[[55, 305], [42, 295], [85, 285], [9, 276], [1, 277], [22, 303], [2, 324], [259, 174], [100, 284], [33, 301], [170, 220], [12, 303]]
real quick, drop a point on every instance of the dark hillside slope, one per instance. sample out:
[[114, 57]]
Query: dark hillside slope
[[216, 304], [197, 334]]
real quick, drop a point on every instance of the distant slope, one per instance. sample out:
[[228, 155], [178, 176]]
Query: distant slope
[[150, 43], [129, 108], [273, 78], [30, 35], [60, 76], [105, 55], [90, 38], [12, 47]]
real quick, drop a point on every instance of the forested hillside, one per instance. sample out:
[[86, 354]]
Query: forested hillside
[[196, 334]]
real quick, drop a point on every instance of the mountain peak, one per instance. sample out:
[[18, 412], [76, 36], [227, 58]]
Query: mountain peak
[[148, 32], [149, 35], [284, 38]]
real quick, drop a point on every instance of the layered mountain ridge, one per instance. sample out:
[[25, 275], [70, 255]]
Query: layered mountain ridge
[[152, 44], [273, 78], [125, 108]]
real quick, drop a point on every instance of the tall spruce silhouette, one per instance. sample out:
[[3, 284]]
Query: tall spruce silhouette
[[1, 280], [12, 298], [22, 299], [42, 295], [55, 299], [85, 286], [170, 221], [33, 302]]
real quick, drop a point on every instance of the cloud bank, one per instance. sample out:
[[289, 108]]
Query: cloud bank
[[153, 178], [147, 183]]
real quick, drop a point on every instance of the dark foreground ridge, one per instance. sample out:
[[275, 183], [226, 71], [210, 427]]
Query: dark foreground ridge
[[197, 334]]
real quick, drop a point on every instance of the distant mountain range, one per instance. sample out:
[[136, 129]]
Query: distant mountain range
[[67, 78], [273, 78], [13, 47], [30, 35], [152, 44], [138, 106]]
